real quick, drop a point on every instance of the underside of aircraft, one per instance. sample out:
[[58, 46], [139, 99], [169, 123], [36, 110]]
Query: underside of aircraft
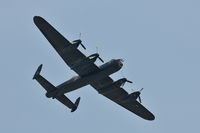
[[88, 74]]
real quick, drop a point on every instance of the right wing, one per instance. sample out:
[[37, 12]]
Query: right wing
[[60, 44], [121, 97]]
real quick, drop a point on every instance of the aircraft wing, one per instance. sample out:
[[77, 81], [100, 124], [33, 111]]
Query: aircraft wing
[[121, 97], [60, 44]]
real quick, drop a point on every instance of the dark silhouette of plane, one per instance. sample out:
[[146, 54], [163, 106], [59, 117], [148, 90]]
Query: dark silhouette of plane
[[88, 74]]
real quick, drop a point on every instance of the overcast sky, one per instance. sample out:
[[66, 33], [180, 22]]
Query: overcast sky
[[159, 41]]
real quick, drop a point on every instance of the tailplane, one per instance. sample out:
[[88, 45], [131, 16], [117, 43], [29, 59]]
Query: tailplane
[[51, 89], [37, 72], [42, 81], [76, 104]]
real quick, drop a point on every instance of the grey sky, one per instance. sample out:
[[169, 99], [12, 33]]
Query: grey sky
[[159, 41]]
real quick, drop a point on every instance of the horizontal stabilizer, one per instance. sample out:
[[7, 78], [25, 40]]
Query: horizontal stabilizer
[[76, 104], [42, 81], [52, 89], [37, 72], [67, 102]]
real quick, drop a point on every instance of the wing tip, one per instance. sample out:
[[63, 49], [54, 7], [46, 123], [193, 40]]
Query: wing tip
[[76, 104], [150, 118], [37, 73], [38, 19]]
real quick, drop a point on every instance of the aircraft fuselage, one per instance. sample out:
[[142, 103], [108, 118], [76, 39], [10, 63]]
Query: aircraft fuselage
[[78, 82]]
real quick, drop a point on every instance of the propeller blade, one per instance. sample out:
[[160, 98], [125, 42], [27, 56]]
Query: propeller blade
[[98, 55], [140, 99], [80, 35], [97, 49], [101, 59], [121, 86], [129, 81], [141, 89], [83, 46]]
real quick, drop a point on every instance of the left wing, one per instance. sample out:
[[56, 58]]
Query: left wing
[[69, 53], [121, 97]]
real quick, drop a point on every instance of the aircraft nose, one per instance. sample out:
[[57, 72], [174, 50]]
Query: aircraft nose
[[120, 62]]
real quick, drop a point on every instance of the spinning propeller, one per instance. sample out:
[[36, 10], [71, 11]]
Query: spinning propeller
[[137, 93], [129, 81], [125, 80], [77, 42], [81, 41], [95, 56], [100, 59], [82, 45], [98, 55]]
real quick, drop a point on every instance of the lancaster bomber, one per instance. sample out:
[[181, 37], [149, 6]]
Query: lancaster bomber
[[88, 74]]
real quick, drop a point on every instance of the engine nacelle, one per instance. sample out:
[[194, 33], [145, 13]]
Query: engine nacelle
[[76, 43], [92, 58], [113, 87], [135, 95]]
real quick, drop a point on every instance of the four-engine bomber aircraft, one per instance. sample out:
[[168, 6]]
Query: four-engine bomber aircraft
[[89, 73]]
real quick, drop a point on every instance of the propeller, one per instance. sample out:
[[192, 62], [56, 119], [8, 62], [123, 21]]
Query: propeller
[[139, 95], [79, 41], [100, 59], [126, 80], [80, 35], [140, 99], [99, 56], [141, 90], [129, 81], [122, 74], [82, 45]]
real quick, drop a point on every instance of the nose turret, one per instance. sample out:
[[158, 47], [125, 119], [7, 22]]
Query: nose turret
[[112, 66], [120, 62]]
